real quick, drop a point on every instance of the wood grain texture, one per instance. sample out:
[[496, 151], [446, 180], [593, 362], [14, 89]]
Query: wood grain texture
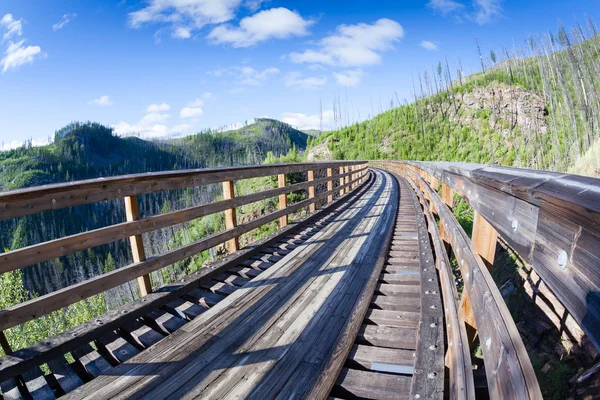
[[513, 376], [33, 200], [136, 242]]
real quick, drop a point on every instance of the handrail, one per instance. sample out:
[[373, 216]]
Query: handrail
[[551, 220], [508, 368], [50, 197]]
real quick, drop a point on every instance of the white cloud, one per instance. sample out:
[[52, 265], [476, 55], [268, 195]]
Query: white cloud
[[303, 121], [150, 126], [66, 18], [103, 101], [276, 23], [486, 11], [296, 79], [15, 143], [156, 108], [184, 16], [17, 55], [354, 45], [349, 77], [480, 11], [13, 27], [207, 95], [429, 45], [193, 109], [246, 75], [444, 6], [254, 5]]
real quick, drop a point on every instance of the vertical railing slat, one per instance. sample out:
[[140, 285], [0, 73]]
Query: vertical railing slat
[[230, 215], [283, 220], [132, 211], [311, 191], [330, 185]]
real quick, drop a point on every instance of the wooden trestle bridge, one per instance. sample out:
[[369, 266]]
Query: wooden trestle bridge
[[356, 299]]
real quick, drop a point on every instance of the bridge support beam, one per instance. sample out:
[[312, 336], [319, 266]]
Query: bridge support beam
[[132, 211], [483, 243], [230, 215], [283, 220]]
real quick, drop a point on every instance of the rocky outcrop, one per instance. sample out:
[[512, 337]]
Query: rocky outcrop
[[509, 107], [320, 152]]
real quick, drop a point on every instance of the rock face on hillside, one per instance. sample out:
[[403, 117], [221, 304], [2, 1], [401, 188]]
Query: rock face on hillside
[[320, 152], [509, 106]]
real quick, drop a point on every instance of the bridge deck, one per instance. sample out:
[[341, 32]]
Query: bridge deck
[[274, 335]]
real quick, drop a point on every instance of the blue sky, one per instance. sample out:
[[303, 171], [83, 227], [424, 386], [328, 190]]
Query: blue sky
[[171, 67]]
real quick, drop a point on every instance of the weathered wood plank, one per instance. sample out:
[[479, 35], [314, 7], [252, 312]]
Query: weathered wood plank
[[372, 385], [33, 200]]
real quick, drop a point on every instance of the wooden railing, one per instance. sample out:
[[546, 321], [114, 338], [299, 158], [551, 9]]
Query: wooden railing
[[34, 200], [551, 220]]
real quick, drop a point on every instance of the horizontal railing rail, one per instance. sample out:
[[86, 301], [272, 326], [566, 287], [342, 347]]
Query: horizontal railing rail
[[508, 369], [551, 220], [34, 200]]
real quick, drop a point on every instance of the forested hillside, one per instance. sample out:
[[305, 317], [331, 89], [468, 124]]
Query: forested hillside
[[91, 150], [537, 106]]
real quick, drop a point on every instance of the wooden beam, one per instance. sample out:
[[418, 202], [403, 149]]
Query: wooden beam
[[447, 195], [342, 180], [483, 243], [283, 220], [329, 185], [230, 216], [132, 211], [347, 170], [311, 191], [4, 343]]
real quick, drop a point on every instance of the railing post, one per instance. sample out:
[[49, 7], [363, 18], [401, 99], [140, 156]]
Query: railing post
[[341, 181], [283, 220], [311, 191], [132, 211], [347, 178], [4, 343], [330, 185], [230, 215], [483, 243]]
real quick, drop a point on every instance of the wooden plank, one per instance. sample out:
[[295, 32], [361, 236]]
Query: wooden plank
[[514, 378], [118, 348], [396, 303], [353, 383], [39, 353], [458, 356], [342, 181], [483, 243], [142, 334], [330, 184], [64, 374], [283, 220], [56, 300], [368, 357], [91, 360], [388, 336], [132, 212], [164, 322], [311, 191], [36, 385], [206, 323], [230, 216], [399, 319], [34, 200], [10, 389]]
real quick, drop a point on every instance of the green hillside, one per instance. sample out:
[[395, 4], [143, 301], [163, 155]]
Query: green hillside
[[540, 111]]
